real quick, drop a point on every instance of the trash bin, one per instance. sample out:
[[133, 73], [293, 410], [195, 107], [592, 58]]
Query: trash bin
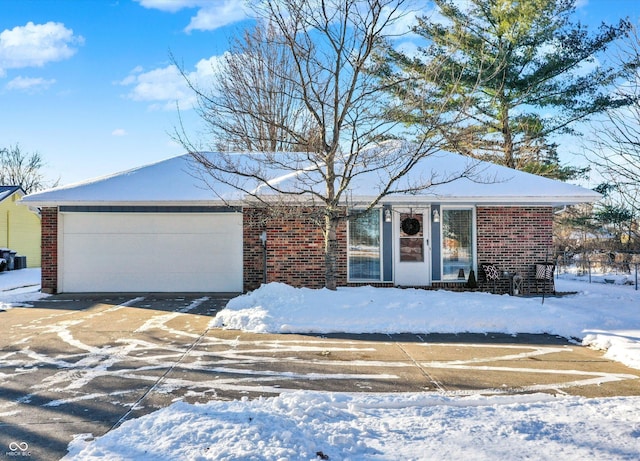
[[20, 262], [3, 264], [5, 253]]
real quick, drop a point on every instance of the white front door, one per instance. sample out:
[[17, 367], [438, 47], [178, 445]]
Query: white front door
[[412, 265]]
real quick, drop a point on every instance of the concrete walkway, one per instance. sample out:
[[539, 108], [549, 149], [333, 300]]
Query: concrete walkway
[[85, 364]]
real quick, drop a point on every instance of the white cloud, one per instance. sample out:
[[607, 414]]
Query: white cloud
[[166, 86], [35, 45], [217, 14], [172, 6], [211, 14], [119, 132], [29, 84]]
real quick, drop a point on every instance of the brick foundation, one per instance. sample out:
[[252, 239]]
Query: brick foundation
[[49, 277]]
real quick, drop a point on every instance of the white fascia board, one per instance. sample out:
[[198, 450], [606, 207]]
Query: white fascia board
[[53, 204], [356, 200], [501, 201]]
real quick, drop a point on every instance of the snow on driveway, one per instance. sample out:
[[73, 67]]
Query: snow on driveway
[[424, 426]]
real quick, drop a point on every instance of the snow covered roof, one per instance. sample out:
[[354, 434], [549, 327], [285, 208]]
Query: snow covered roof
[[7, 191], [177, 181], [482, 183], [174, 181], [452, 178]]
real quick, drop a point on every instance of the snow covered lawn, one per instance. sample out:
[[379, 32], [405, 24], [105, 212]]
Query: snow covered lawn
[[601, 315], [311, 425], [19, 287], [305, 425]]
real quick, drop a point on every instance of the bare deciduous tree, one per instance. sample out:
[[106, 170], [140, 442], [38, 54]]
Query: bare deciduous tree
[[251, 104], [614, 144], [305, 80], [20, 169]]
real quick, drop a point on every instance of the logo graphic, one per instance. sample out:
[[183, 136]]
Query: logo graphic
[[18, 449]]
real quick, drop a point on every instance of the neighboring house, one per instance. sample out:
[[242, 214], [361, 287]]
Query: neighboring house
[[159, 229], [19, 225]]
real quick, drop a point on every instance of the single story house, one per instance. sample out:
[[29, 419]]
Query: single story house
[[19, 225], [159, 228]]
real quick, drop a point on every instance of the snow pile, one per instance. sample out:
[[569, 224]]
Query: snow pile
[[308, 425], [603, 316], [19, 287], [279, 308], [621, 346]]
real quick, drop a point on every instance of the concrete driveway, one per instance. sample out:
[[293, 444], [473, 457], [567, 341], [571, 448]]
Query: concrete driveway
[[85, 364]]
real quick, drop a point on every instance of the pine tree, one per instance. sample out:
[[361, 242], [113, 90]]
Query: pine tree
[[522, 70]]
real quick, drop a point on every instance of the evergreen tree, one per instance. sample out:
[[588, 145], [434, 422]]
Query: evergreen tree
[[522, 71]]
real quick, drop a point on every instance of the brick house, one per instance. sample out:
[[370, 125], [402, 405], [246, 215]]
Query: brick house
[[157, 229]]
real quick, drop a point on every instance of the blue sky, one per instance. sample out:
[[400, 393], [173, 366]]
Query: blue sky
[[89, 84]]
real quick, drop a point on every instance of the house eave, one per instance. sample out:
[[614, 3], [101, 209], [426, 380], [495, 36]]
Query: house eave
[[480, 200], [123, 203], [304, 200]]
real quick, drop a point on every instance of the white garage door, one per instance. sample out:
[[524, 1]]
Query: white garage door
[[150, 252]]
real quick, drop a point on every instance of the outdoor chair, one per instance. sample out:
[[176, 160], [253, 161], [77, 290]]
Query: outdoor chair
[[544, 277], [491, 273]]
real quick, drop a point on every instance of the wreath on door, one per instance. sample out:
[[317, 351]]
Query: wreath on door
[[410, 226]]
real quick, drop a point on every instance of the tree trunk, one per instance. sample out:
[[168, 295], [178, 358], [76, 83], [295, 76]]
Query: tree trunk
[[330, 251], [507, 137]]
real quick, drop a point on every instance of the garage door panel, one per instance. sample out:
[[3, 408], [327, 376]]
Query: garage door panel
[[103, 252], [134, 282], [96, 249], [147, 223]]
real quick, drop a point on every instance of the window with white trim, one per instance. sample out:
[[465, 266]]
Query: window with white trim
[[457, 243], [364, 247]]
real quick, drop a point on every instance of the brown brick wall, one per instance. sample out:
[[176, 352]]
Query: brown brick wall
[[49, 278], [514, 238], [295, 250]]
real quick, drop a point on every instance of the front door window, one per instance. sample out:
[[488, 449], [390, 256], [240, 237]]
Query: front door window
[[411, 237]]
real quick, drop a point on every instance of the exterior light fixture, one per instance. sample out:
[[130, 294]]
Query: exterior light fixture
[[436, 216], [387, 215]]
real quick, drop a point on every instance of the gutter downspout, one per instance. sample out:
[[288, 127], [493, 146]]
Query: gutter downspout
[[8, 230]]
